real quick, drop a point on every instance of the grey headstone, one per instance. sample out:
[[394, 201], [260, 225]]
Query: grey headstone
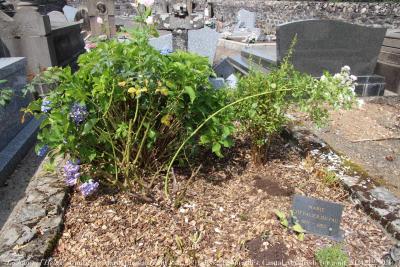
[[245, 27], [70, 13], [329, 45], [318, 216], [57, 18], [246, 19], [204, 42], [162, 42]]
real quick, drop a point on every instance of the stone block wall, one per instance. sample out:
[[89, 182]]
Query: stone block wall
[[124, 7], [272, 13]]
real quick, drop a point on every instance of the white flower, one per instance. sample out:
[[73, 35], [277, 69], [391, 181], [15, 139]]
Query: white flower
[[146, 3], [226, 35], [360, 103], [338, 76], [346, 69], [150, 20], [99, 20], [323, 78], [103, 37], [353, 77]]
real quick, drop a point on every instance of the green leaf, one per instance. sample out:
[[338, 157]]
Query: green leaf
[[280, 214], [298, 228], [89, 126], [300, 236], [204, 139], [216, 148], [189, 90]]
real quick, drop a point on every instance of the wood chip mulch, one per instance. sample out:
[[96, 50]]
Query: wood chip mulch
[[225, 219]]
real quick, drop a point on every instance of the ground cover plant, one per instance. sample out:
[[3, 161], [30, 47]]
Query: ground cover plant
[[131, 112]]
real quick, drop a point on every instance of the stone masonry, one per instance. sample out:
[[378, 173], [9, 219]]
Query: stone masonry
[[272, 13]]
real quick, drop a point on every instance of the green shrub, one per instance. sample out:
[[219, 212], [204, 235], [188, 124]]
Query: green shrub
[[264, 117], [333, 256], [127, 109]]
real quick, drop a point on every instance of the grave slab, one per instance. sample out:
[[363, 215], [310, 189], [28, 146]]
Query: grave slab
[[204, 42]]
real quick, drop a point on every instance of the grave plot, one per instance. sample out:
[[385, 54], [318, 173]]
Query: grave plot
[[223, 215]]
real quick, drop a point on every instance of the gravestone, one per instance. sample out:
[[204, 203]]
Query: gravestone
[[104, 9], [318, 216], [246, 20], [330, 45], [162, 42], [322, 45], [57, 18], [204, 42], [245, 27], [178, 17], [32, 35], [70, 13], [16, 136]]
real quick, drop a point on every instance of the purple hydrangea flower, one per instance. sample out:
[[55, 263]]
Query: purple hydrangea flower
[[43, 151], [72, 174], [78, 113], [45, 105], [165, 51], [88, 187]]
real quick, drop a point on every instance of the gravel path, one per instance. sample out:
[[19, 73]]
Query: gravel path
[[356, 134], [15, 186]]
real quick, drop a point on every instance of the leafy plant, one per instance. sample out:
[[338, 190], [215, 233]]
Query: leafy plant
[[45, 81], [5, 94], [121, 117], [263, 118], [333, 256], [293, 225]]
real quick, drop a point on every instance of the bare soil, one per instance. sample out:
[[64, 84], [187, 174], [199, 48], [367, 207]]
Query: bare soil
[[224, 216]]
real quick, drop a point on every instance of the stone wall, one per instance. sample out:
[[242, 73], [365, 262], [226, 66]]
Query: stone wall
[[272, 13], [124, 7]]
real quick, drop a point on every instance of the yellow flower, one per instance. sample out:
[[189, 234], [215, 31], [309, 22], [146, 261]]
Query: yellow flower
[[139, 91], [166, 120], [122, 84], [132, 90], [163, 91]]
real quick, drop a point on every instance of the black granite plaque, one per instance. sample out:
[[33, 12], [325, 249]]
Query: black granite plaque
[[318, 216]]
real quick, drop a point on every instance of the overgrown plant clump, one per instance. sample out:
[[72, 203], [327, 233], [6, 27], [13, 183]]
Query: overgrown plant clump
[[264, 117], [123, 114], [333, 256]]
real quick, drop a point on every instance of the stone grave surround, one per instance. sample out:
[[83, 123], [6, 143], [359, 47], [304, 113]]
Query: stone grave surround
[[16, 138]]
